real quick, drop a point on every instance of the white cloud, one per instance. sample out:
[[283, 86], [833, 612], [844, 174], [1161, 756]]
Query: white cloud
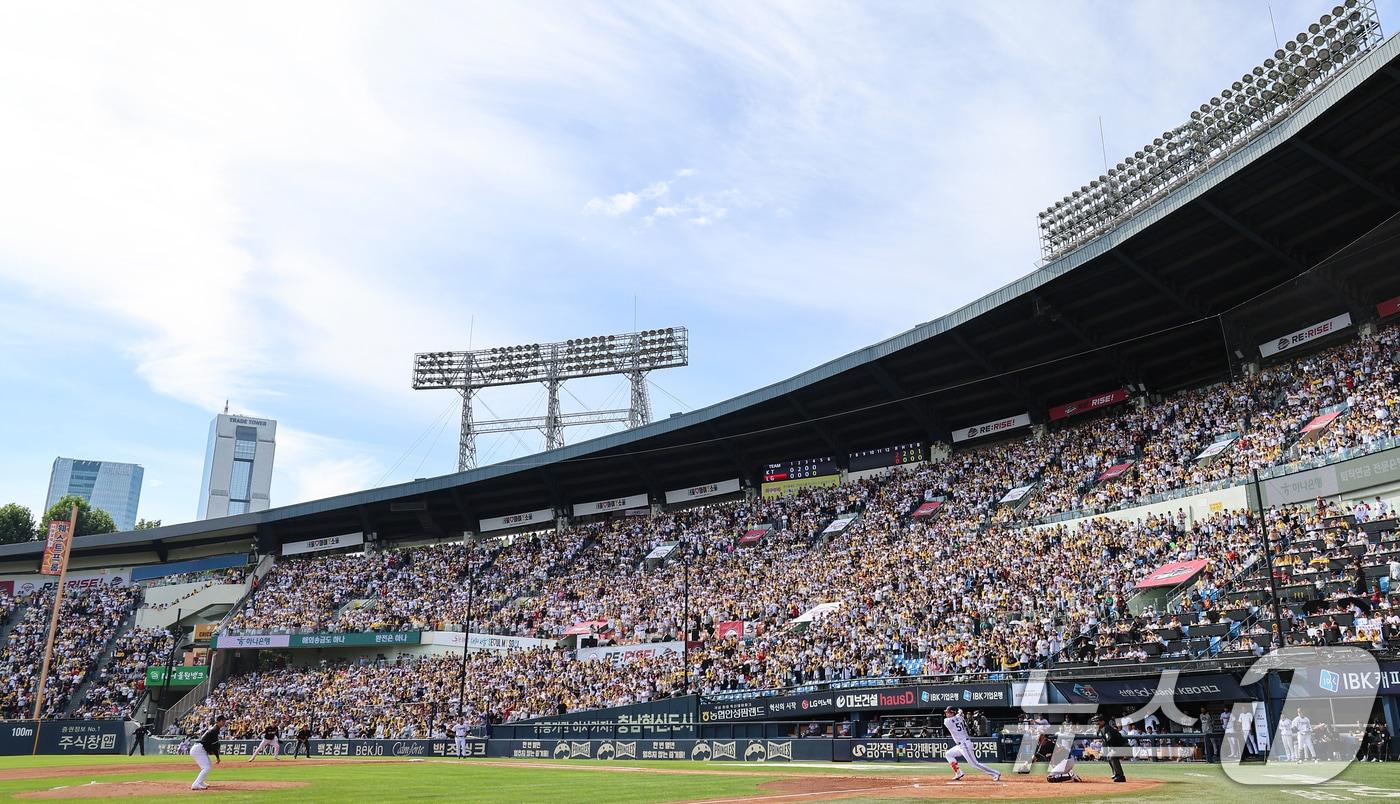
[[282, 214], [622, 203], [613, 205], [308, 466]]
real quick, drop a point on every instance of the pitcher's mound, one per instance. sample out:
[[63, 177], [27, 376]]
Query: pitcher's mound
[[141, 788]]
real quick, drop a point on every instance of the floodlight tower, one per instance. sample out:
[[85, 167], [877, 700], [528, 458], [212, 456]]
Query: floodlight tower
[[1239, 114], [633, 354]]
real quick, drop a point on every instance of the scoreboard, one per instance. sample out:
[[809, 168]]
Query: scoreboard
[[896, 455], [800, 469]]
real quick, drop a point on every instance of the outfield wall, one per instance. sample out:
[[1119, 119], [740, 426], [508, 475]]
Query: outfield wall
[[23, 737], [818, 749]]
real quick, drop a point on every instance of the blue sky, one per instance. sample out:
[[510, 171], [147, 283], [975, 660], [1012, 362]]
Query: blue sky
[[278, 204]]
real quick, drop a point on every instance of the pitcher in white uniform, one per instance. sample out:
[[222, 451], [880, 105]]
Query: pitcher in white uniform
[[962, 745]]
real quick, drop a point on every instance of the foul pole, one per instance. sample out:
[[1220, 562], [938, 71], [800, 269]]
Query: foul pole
[[55, 557]]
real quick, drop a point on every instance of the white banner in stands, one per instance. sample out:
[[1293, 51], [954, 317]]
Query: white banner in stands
[[646, 649], [661, 551], [1306, 334], [1218, 447], [839, 524], [615, 504], [24, 584], [323, 543], [237, 641], [1000, 425], [543, 518], [702, 491], [494, 642], [1015, 494]]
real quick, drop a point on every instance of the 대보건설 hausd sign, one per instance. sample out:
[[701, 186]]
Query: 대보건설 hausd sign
[[323, 544]]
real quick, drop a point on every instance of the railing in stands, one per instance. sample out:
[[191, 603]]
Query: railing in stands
[[1346, 454], [219, 662]]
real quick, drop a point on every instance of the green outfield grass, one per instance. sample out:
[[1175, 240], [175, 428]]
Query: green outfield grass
[[593, 781]]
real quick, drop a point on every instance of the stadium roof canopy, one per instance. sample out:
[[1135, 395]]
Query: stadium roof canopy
[[1297, 227]]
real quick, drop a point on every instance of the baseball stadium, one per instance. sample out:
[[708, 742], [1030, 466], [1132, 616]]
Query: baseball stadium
[[1123, 529]]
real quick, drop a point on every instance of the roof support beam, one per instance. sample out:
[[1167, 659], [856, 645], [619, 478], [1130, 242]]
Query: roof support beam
[[1357, 308], [1191, 307], [366, 522], [557, 500], [1127, 373], [817, 427], [936, 430], [653, 482], [1357, 178], [465, 511], [1034, 405], [736, 456]]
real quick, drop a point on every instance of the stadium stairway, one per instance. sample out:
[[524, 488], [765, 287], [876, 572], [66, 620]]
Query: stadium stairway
[[95, 669], [210, 602], [9, 623]]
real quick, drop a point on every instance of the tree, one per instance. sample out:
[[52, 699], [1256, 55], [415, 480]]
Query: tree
[[16, 524], [147, 524], [90, 520]]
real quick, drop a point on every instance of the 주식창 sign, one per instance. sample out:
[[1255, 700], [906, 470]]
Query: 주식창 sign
[[180, 676], [1305, 335], [491, 642]]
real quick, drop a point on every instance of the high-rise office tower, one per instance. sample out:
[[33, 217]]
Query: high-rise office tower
[[237, 466], [113, 487]]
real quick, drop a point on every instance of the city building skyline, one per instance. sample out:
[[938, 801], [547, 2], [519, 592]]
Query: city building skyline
[[112, 486], [237, 475]]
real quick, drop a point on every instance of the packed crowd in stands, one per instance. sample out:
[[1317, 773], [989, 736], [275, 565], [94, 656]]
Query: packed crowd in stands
[[976, 588], [920, 598], [971, 590], [419, 698], [118, 684], [89, 619]]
